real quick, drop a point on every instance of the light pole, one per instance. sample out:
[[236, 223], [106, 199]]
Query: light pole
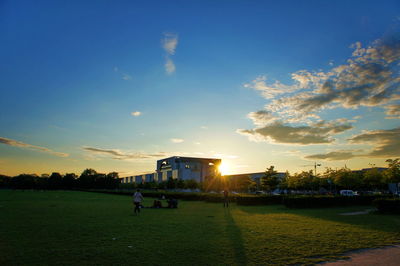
[[315, 168]]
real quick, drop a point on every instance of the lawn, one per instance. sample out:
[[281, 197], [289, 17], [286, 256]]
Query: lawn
[[68, 227]]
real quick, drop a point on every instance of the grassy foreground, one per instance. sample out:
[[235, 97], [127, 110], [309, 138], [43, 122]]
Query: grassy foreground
[[66, 228]]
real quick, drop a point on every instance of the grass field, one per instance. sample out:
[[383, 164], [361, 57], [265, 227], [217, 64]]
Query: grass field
[[67, 227]]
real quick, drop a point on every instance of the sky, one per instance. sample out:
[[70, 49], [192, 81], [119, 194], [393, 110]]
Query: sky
[[117, 85]]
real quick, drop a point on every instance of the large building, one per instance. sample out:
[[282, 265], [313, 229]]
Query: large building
[[177, 167]]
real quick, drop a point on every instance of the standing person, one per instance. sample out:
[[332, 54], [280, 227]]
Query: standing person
[[137, 200], [226, 198]]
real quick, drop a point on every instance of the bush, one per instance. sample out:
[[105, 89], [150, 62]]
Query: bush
[[327, 201], [387, 206]]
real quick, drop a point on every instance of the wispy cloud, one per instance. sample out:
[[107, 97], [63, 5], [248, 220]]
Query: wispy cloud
[[277, 132], [169, 44], [169, 66], [333, 155], [176, 140], [385, 144], [126, 76], [393, 111], [136, 113], [19, 144], [122, 155]]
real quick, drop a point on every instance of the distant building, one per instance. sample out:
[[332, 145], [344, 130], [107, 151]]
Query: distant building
[[176, 167], [256, 177]]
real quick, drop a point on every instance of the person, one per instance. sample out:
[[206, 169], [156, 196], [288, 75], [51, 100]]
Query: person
[[137, 200], [226, 198], [157, 204]]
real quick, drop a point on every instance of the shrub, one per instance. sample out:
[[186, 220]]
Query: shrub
[[387, 206]]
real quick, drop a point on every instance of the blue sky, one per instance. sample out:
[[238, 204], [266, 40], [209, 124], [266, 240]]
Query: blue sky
[[116, 85]]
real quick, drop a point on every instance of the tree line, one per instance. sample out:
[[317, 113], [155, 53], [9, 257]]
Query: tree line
[[87, 180], [330, 180], [334, 179]]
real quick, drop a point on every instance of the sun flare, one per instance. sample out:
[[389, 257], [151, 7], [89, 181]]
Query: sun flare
[[223, 168]]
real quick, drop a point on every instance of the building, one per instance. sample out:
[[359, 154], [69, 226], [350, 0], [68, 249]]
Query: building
[[177, 167], [256, 177], [187, 168]]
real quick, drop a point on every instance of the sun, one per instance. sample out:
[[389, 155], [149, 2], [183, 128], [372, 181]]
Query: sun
[[223, 168]]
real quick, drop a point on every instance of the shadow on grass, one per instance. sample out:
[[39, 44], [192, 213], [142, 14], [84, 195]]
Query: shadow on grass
[[373, 220], [236, 238]]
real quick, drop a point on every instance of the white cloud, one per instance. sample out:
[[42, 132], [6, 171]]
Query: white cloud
[[19, 144], [170, 42], [176, 140], [204, 127], [126, 77], [136, 113], [169, 66]]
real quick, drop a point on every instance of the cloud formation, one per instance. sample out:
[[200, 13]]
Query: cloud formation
[[385, 144], [369, 78], [19, 144], [169, 66], [136, 113], [121, 155], [393, 111], [176, 140], [332, 156], [277, 132], [169, 44]]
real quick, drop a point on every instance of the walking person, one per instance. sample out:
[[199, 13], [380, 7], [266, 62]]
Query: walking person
[[226, 198], [137, 200]]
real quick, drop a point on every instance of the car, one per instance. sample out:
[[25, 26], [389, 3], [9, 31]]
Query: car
[[347, 193]]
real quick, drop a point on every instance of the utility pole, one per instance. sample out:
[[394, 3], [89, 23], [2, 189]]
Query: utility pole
[[315, 168]]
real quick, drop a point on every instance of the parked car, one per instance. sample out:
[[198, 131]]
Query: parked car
[[347, 193]]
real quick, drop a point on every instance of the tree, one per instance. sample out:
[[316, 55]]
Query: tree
[[55, 181], [392, 174], [373, 179], [346, 179], [270, 180], [87, 178], [69, 181]]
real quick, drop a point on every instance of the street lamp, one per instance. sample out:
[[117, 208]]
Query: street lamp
[[315, 168]]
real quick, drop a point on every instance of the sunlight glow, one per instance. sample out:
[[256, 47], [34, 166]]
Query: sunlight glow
[[223, 168]]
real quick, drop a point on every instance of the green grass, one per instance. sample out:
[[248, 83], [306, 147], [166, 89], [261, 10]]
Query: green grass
[[66, 228]]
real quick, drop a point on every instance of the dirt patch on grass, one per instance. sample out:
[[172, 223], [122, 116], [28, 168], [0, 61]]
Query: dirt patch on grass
[[388, 256]]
